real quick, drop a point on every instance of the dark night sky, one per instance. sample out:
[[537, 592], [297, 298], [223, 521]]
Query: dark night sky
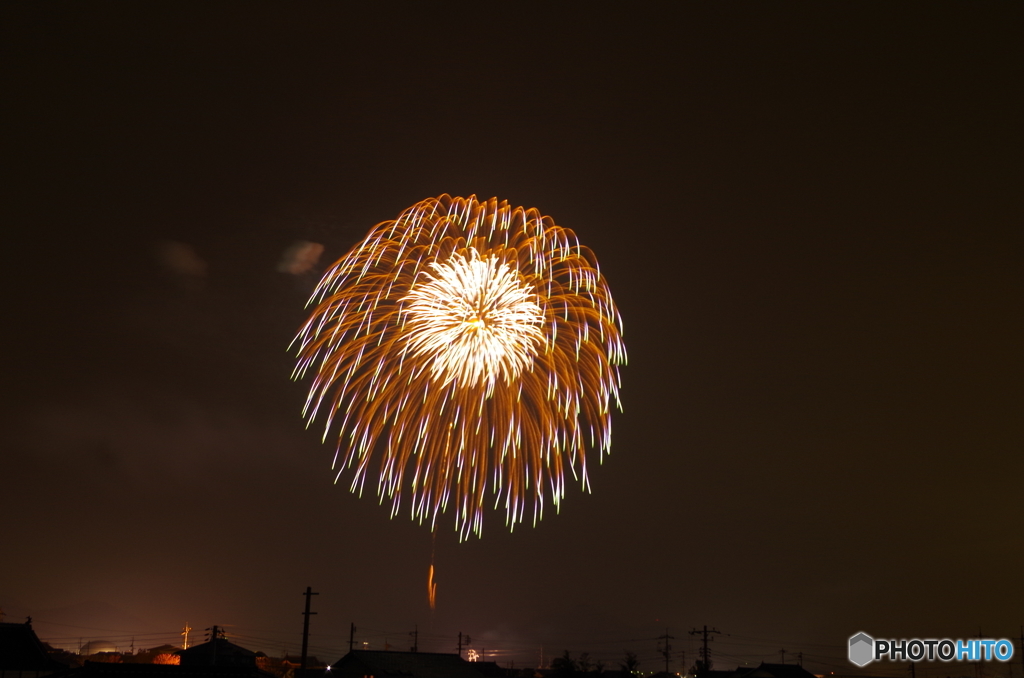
[[811, 219]]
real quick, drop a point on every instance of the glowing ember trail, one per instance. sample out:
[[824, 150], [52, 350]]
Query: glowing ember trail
[[431, 588]]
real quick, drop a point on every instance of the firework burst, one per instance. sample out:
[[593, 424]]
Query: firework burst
[[462, 346]]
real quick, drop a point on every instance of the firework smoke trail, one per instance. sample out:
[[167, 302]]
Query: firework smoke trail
[[464, 345]]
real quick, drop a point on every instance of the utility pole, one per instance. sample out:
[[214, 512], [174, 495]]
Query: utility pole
[[351, 636], [460, 644], [668, 647], [1022, 646], [783, 653], [305, 631], [184, 632], [704, 665], [800, 659], [913, 669], [214, 634], [415, 639], [977, 665]]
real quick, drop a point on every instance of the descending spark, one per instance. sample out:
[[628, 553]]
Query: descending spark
[[431, 588]]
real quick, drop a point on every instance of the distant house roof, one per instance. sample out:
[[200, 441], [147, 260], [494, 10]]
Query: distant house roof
[[489, 669], [384, 664], [296, 660], [20, 650], [218, 652], [763, 671], [106, 670], [164, 649], [777, 671]]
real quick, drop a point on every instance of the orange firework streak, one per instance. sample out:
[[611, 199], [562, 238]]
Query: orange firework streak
[[464, 344], [431, 588]]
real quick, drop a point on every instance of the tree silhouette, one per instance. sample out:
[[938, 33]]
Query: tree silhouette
[[630, 664], [564, 666]]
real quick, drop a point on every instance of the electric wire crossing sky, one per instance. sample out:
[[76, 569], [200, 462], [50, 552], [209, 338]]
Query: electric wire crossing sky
[[864, 649]]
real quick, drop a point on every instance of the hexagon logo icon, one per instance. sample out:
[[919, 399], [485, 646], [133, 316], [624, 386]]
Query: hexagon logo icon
[[862, 649]]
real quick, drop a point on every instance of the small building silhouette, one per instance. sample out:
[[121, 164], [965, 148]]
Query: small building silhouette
[[23, 655], [388, 664], [218, 658], [778, 671], [762, 671], [218, 652]]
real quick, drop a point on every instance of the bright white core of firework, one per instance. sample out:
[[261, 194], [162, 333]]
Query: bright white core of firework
[[474, 320]]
